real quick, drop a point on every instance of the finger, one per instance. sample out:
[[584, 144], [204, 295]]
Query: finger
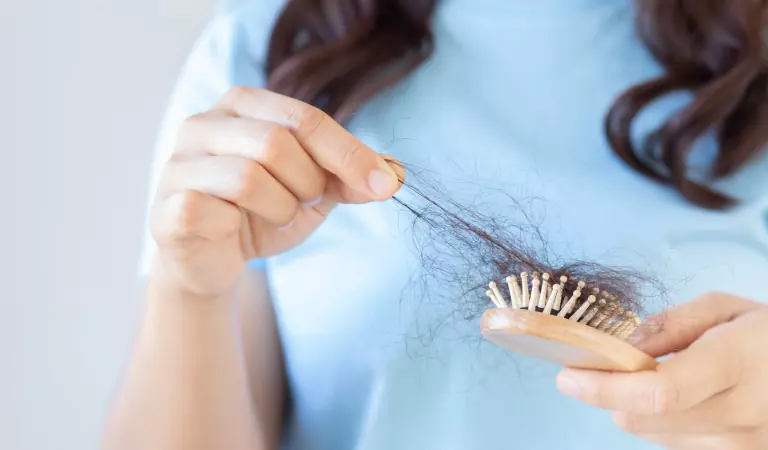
[[703, 441], [642, 392], [267, 143], [677, 328], [706, 368], [192, 214], [241, 181], [338, 192], [721, 414], [327, 142]]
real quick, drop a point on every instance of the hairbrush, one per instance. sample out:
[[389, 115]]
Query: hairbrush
[[563, 323]]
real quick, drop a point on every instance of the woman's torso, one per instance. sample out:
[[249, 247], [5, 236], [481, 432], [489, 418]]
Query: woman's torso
[[512, 99]]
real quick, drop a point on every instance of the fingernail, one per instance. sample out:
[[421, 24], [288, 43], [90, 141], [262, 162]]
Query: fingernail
[[568, 385], [314, 202], [382, 181], [396, 166]]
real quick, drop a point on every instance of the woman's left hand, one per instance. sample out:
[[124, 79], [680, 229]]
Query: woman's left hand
[[711, 394]]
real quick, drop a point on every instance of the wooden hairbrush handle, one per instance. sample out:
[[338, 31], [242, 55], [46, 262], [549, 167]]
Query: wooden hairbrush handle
[[561, 341]]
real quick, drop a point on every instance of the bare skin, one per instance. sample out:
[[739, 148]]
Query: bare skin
[[712, 393], [253, 177]]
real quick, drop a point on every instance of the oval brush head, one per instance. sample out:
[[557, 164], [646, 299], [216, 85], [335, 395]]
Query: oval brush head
[[548, 322]]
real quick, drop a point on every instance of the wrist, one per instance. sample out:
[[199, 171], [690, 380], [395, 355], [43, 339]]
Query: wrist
[[171, 309], [167, 286]]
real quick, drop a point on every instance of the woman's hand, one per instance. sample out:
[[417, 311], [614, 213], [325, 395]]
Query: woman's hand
[[711, 394], [254, 177]]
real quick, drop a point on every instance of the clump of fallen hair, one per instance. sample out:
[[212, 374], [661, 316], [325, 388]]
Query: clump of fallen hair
[[463, 248]]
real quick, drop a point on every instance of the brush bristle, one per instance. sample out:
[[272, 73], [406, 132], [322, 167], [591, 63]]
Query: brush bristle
[[567, 299]]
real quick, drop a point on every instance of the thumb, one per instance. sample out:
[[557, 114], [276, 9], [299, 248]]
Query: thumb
[[337, 191], [676, 329]]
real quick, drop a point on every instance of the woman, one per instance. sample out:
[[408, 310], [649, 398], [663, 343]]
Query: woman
[[251, 299]]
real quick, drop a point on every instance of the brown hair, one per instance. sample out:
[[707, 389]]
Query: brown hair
[[337, 54]]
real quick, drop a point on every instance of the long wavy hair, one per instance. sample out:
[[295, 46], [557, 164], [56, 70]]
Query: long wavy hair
[[337, 54]]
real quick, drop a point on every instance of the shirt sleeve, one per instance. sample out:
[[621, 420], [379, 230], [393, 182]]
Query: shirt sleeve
[[230, 52]]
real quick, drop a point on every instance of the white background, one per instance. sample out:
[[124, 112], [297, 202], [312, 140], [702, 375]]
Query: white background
[[83, 85]]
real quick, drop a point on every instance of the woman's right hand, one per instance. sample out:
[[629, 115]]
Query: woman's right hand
[[254, 177]]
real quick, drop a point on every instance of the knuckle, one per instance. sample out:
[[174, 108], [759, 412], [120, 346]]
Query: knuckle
[[350, 154], [306, 119], [274, 141], [250, 180], [237, 93], [254, 137], [185, 135], [192, 121], [664, 398], [175, 219], [596, 396], [187, 213]]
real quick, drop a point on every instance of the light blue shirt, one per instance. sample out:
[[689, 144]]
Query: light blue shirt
[[513, 98]]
